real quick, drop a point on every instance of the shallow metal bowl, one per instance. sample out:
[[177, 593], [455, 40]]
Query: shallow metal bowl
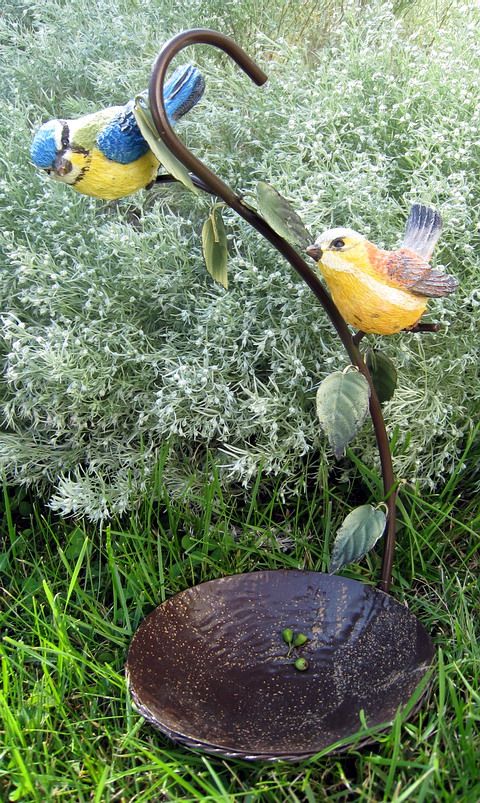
[[209, 667]]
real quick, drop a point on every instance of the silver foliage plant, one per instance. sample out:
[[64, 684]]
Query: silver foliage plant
[[115, 341]]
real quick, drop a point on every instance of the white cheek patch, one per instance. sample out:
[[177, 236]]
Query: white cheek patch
[[58, 135], [399, 298], [334, 260], [70, 177]]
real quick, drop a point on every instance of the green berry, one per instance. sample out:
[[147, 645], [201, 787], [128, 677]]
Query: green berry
[[301, 664], [299, 640], [287, 635]]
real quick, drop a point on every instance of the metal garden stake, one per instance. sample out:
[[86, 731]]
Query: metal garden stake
[[209, 667]]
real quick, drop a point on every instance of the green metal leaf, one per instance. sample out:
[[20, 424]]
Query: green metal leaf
[[281, 216], [166, 158], [342, 404], [214, 244], [358, 534], [383, 373]]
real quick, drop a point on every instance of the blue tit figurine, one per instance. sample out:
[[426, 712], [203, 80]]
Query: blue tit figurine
[[104, 154]]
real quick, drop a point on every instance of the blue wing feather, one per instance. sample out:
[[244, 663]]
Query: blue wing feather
[[121, 140]]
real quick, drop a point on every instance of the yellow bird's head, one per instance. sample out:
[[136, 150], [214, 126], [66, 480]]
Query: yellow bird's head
[[342, 249]]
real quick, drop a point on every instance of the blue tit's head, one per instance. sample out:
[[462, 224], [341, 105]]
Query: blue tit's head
[[45, 145], [51, 149]]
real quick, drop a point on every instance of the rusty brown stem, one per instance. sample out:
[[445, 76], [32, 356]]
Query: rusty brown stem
[[216, 186]]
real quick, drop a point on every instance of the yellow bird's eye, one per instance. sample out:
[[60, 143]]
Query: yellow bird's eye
[[337, 244]]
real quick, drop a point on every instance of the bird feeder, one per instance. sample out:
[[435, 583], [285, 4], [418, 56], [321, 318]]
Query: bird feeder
[[218, 667]]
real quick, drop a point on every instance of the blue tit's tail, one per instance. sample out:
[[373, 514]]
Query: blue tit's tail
[[182, 91]]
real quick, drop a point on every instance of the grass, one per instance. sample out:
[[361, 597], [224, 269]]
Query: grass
[[75, 595], [115, 339]]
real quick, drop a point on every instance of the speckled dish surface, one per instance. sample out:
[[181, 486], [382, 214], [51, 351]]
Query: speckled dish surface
[[210, 669]]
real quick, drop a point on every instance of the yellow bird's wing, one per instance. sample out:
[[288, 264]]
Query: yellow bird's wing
[[409, 266], [412, 272]]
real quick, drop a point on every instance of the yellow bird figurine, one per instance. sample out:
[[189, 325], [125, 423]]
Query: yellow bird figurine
[[382, 292]]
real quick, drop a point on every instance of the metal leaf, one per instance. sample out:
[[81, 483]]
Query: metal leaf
[[383, 373], [281, 216], [358, 534], [214, 244], [342, 404], [166, 158]]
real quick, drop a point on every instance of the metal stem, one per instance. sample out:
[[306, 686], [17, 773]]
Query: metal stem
[[216, 186], [166, 178]]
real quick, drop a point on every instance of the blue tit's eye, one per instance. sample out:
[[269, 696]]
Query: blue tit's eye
[[338, 243]]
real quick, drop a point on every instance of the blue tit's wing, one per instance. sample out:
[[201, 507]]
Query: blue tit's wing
[[121, 140]]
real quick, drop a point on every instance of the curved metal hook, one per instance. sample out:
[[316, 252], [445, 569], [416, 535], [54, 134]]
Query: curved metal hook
[[157, 102], [216, 186]]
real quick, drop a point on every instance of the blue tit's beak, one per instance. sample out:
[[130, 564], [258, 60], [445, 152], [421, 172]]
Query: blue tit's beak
[[62, 166], [314, 251]]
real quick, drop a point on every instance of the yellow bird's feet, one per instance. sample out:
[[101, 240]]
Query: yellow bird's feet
[[418, 328]]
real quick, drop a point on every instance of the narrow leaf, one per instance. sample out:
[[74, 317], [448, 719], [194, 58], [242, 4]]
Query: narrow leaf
[[281, 216], [383, 373], [166, 158], [342, 404], [214, 244], [358, 534]]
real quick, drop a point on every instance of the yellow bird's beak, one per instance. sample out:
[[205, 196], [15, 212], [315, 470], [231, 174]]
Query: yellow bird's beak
[[315, 252]]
